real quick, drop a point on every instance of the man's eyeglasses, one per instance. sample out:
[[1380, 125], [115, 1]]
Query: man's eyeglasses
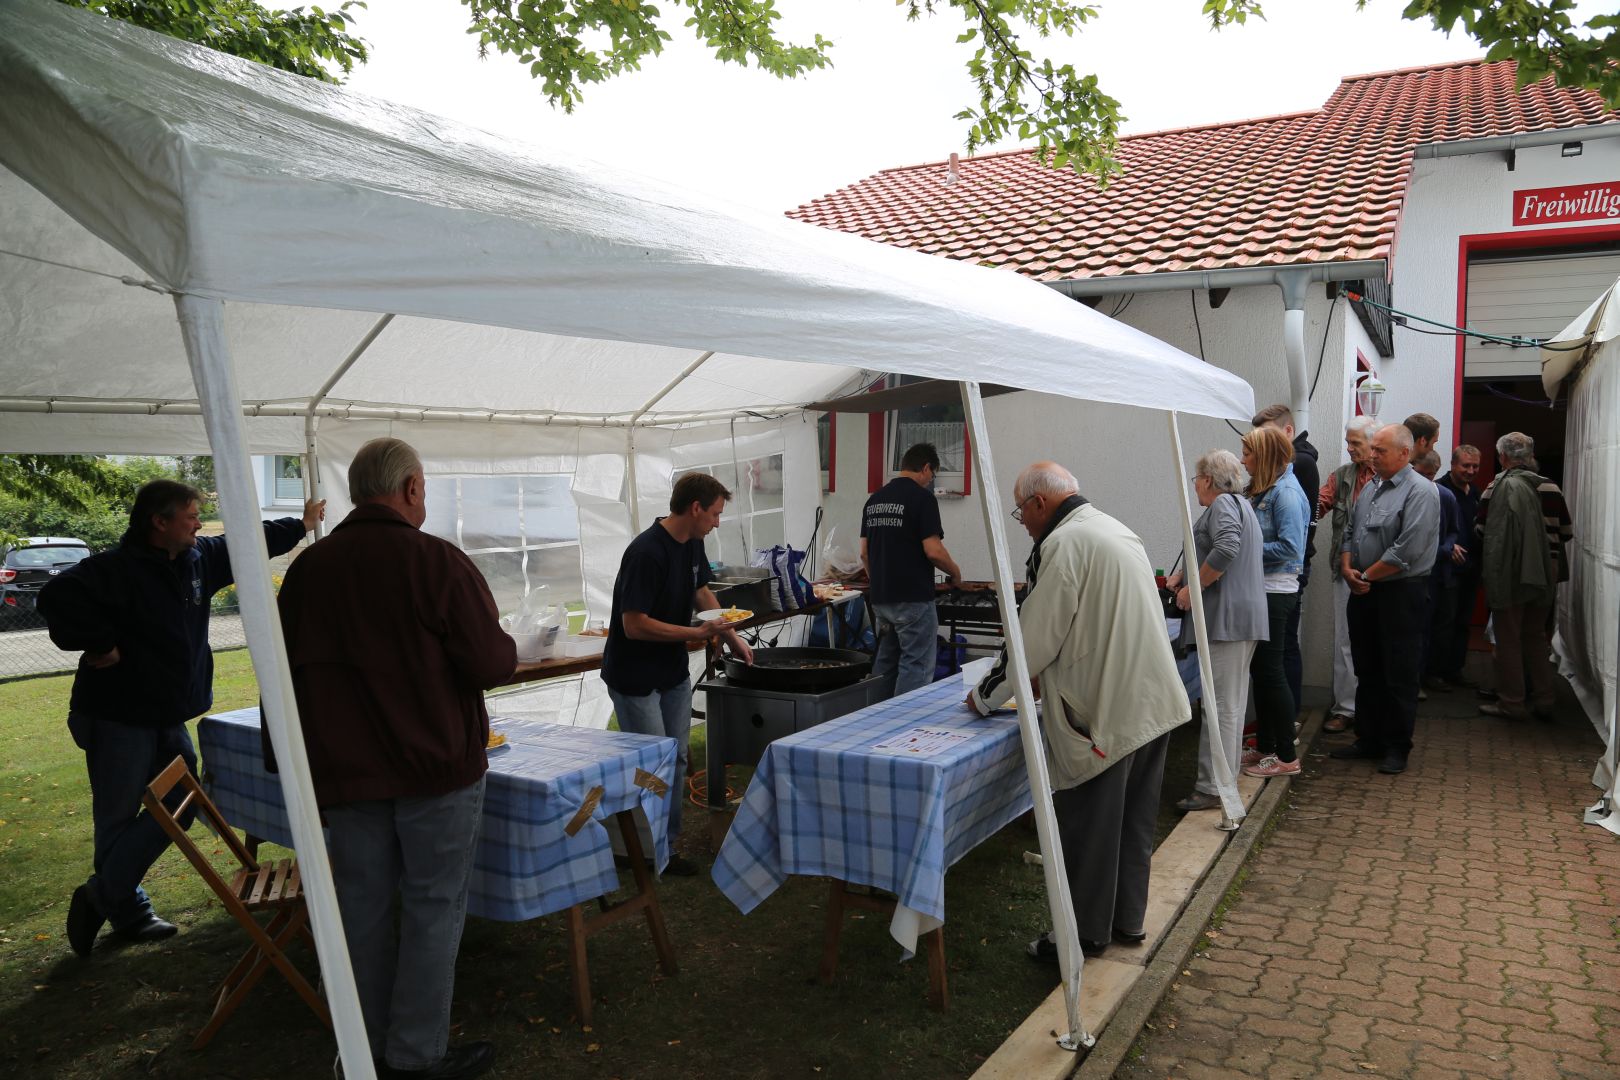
[[1018, 511]]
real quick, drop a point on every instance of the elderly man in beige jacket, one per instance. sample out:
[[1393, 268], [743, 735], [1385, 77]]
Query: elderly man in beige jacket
[[1095, 641]]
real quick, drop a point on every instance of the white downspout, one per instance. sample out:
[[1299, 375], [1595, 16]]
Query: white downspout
[[312, 461], [1299, 383], [1232, 810], [1070, 958], [202, 328]]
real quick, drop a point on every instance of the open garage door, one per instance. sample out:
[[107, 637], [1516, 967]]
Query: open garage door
[[1529, 296]]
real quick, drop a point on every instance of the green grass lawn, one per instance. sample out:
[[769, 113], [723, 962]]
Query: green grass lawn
[[744, 1005]]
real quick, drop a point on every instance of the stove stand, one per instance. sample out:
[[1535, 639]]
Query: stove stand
[[742, 721]]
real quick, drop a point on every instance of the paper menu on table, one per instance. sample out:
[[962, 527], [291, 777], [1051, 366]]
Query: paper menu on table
[[921, 741]]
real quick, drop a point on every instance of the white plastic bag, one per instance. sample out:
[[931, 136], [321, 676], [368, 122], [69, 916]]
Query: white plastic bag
[[535, 626], [841, 559]]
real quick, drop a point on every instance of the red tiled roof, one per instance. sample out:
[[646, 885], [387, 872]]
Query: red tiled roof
[[1321, 186]]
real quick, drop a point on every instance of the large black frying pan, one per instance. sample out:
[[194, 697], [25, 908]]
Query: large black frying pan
[[799, 670]]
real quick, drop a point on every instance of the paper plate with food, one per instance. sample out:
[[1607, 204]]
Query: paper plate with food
[[729, 615], [496, 743]]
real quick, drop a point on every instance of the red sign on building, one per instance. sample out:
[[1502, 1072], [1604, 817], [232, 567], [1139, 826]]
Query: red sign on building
[[1583, 202]]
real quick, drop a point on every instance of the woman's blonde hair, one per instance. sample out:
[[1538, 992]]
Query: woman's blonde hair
[[1272, 454]]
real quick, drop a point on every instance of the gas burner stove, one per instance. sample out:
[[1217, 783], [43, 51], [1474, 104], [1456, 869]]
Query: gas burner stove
[[975, 607]]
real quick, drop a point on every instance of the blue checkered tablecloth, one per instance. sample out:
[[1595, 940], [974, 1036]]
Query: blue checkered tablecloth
[[824, 802], [527, 865]]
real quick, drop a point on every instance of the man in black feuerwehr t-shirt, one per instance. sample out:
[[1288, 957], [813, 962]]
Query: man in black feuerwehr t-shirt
[[664, 577], [901, 544]]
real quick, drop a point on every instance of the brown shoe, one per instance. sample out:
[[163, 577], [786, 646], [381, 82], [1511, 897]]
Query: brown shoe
[[1338, 724]]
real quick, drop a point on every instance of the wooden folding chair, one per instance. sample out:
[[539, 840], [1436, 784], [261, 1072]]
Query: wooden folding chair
[[254, 888]]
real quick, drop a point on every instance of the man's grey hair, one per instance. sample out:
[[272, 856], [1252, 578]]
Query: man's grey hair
[[1364, 424], [1045, 478], [1516, 448], [380, 469], [1427, 460], [1401, 434], [1224, 470]]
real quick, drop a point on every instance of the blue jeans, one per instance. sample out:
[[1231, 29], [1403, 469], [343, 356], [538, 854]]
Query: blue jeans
[[421, 849], [122, 759], [667, 713], [907, 643]]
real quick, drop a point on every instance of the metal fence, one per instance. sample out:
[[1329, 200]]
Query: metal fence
[[26, 649]]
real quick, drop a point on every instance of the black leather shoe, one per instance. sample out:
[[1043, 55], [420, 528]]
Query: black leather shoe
[[1356, 750], [459, 1063], [1394, 763], [681, 866], [1129, 939], [83, 922], [148, 929], [1043, 950]]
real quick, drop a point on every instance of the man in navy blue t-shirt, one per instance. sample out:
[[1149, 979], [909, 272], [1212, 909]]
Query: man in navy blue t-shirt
[[901, 544], [664, 577]]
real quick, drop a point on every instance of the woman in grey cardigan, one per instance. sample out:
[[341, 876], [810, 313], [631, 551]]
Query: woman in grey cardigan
[[1230, 571]]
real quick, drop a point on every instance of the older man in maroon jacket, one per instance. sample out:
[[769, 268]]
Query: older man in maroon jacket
[[393, 636]]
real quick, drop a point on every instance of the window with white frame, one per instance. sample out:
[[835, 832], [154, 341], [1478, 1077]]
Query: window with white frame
[[944, 425], [753, 519], [520, 531], [827, 444], [286, 479]]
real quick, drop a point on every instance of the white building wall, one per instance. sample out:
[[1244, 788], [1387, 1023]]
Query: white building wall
[[1451, 197], [1121, 455]]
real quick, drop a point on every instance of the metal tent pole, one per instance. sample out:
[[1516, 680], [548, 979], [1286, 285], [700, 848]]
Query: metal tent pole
[[1231, 806], [202, 327], [1070, 958], [312, 460], [630, 440]]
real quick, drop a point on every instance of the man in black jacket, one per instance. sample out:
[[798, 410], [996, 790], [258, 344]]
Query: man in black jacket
[[139, 613], [1309, 477]]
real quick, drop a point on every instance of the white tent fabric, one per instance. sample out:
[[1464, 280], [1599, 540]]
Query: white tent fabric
[[601, 316], [1588, 639], [225, 179]]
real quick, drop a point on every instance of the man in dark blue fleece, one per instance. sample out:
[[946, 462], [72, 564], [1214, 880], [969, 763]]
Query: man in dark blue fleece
[[139, 613]]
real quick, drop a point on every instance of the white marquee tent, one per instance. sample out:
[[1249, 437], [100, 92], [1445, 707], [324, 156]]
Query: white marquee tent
[[1588, 639], [343, 268]]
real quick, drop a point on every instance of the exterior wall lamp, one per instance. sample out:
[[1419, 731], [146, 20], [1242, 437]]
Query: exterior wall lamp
[[1370, 396], [1570, 149]]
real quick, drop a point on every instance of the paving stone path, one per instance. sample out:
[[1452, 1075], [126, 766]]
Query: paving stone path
[[1457, 921]]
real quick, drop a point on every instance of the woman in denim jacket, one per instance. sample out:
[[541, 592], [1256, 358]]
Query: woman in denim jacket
[[1284, 515]]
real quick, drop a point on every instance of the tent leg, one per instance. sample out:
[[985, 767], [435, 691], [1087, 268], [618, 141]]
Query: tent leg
[[630, 475], [1231, 806], [1070, 959], [202, 327]]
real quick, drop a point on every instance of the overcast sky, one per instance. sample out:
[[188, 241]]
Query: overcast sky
[[750, 138]]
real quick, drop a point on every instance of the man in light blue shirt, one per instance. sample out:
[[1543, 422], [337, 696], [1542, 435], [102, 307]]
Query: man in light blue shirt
[[1387, 555]]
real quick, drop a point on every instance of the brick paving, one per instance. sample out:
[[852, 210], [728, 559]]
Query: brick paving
[[1457, 921]]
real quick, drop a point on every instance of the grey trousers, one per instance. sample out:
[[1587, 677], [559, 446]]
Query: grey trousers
[[1106, 827], [1229, 664], [422, 850], [1344, 668]]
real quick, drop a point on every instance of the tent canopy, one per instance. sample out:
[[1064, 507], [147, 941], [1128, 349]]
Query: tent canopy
[[507, 265], [524, 292]]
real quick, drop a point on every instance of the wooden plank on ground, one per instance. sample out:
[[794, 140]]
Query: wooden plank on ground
[[1179, 863], [1032, 1053]]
